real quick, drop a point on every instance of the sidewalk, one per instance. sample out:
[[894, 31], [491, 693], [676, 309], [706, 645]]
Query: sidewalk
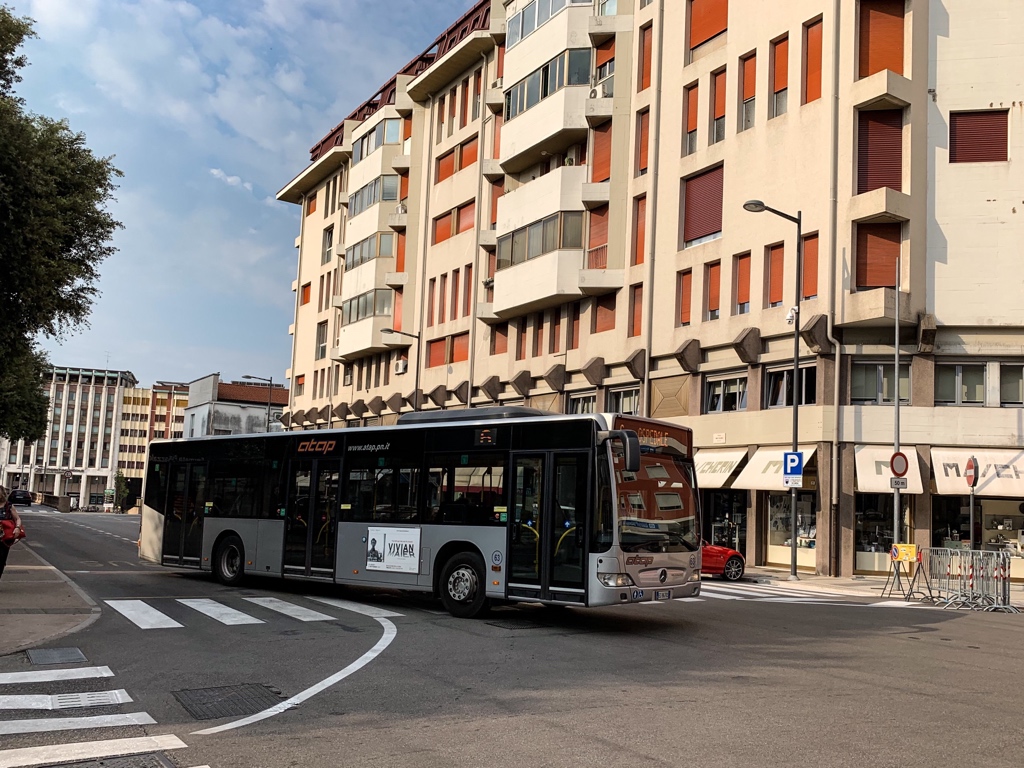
[[38, 603]]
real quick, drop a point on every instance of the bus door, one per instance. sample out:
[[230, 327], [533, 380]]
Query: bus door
[[548, 530], [183, 526], [311, 520]]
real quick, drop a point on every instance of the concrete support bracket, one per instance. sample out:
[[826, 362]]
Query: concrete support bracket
[[376, 405], [688, 356], [461, 392], [748, 345], [358, 408], [395, 402], [926, 334], [595, 371], [815, 335], [636, 364], [491, 387], [438, 395], [555, 377], [522, 383]]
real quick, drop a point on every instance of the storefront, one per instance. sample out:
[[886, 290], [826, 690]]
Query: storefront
[[873, 505], [724, 509], [998, 502], [763, 475]]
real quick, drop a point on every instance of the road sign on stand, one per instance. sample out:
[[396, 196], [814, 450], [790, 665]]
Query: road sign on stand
[[793, 469], [899, 465], [68, 474], [898, 482], [971, 472]]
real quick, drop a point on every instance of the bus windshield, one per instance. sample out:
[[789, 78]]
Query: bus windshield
[[657, 506]]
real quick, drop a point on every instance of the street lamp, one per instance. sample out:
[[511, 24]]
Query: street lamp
[[793, 318], [419, 395], [270, 394]]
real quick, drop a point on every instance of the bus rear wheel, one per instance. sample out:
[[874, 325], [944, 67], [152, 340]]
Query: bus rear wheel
[[229, 561], [462, 586]]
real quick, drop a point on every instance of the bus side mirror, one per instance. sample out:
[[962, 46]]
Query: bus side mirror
[[630, 447]]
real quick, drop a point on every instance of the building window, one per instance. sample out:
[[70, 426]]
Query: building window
[[978, 137], [304, 294], [572, 67], [626, 401], [741, 265], [780, 76], [684, 289], [311, 205], [702, 207], [873, 383], [582, 403], [960, 384], [499, 339], [636, 303], [643, 126], [300, 386], [372, 303], [748, 74], [644, 75], [775, 259], [321, 340], [691, 120], [879, 150], [347, 375], [639, 230], [812, 61], [878, 248], [881, 36], [718, 107], [724, 395], [328, 247], [560, 230], [778, 386], [1011, 385], [713, 280], [810, 267], [708, 19], [604, 313]]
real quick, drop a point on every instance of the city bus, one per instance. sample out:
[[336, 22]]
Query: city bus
[[476, 506]]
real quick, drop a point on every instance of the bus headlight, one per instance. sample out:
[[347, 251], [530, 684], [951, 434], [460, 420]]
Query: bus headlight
[[615, 579], [695, 576]]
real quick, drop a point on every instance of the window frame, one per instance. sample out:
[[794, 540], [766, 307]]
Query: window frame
[[879, 379], [711, 381], [958, 387]]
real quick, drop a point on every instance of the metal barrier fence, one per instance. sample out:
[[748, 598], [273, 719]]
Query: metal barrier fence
[[963, 578]]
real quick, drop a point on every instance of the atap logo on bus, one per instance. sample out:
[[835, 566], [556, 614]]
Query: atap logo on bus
[[638, 594], [317, 446], [639, 560]]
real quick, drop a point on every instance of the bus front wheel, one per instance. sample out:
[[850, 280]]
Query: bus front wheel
[[463, 587], [229, 562]]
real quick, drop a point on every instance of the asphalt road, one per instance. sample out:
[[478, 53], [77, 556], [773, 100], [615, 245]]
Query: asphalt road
[[722, 682]]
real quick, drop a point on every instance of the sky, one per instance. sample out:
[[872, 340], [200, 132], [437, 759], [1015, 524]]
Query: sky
[[209, 108]]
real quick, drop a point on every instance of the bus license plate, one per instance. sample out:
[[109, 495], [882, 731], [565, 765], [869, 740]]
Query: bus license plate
[[663, 594]]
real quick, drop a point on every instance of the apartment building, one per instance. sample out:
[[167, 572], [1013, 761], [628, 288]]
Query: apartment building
[[216, 407], [148, 413], [547, 207], [79, 453]]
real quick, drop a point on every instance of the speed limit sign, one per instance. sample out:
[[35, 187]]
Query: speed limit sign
[[68, 474]]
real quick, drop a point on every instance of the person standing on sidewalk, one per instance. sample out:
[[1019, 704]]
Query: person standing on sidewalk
[[7, 512]]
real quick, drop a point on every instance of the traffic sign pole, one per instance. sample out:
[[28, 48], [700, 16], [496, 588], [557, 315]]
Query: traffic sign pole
[[971, 475], [896, 511]]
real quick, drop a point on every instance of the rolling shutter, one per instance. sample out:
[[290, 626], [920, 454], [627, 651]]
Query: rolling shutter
[[780, 65], [718, 86], [467, 217], [605, 52], [714, 286], [442, 228], [643, 140], [708, 18], [878, 247], [469, 153], [810, 277], [436, 352], [445, 167], [498, 121], [400, 253], [812, 62], [881, 36], [403, 186], [636, 304], [749, 77], [978, 137], [397, 311], [644, 78], [499, 341], [776, 256], [691, 109], [685, 296], [602, 169], [406, 127], [598, 227], [743, 279], [574, 326], [460, 347], [703, 204], [640, 238], [497, 190], [880, 150], [604, 313]]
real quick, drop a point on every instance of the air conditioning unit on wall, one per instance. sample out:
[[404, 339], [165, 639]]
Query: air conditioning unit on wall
[[401, 366]]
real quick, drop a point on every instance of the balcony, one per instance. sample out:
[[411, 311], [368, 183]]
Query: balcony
[[605, 26], [596, 194], [494, 100], [560, 190], [401, 163], [548, 128], [880, 205], [545, 281], [600, 101], [485, 313], [487, 239], [491, 169], [398, 220], [363, 338], [396, 279]]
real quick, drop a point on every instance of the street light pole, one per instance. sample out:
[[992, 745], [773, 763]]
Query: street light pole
[[270, 394], [756, 206], [417, 393]]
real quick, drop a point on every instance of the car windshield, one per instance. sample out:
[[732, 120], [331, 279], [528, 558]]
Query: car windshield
[[657, 508]]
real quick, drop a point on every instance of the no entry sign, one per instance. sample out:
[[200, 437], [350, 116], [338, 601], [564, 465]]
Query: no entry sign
[[898, 464], [971, 472]]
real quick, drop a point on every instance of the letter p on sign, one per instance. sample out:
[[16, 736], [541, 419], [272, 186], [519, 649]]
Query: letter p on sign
[[792, 469]]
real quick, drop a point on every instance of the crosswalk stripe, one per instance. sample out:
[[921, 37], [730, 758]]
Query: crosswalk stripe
[[142, 615], [366, 610], [87, 750], [65, 700], [220, 612], [44, 725], [50, 675], [757, 595], [719, 596], [783, 591], [289, 609], [689, 599]]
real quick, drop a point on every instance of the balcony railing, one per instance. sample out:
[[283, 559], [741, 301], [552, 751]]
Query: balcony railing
[[597, 258]]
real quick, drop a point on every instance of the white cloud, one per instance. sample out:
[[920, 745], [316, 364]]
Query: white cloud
[[231, 181], [60, 18]]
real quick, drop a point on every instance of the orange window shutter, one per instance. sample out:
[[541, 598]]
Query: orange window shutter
[[878, 247], [403, 186], [497, 190], [685, 296], [574, 326], [598, 227], [406, 128], [500, 65], [780, 65], [467, 217], [702, 215], [644, 80], [436, 352], [460, 347], [640, 241], [305, 293], [442, 297], [400, 253], [879, 150], [442, 228], [719, 88], [775, 260], [708, 19], [452, 99], [881, 36], [300, 381], [636, 301], [430, 301], [714, 286], [445, 166], [555, 344], [691, 108], [538, 334], [643, 130], [467, 302], [498, 120], [311, 205], [812, 62], [749, 77], [604, 313], [397, 310], [602, 168], [743, 279], [605, 52], [810, 265], [464, 114], [469, 153], [455, 295], [500, 338]]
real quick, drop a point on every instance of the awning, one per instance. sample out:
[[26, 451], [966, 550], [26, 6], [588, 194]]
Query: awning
[[1000, 472], [715, 467], [873, 472], [764, 471]]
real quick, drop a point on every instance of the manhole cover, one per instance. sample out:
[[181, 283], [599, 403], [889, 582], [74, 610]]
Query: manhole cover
[[228, 700], [55, 656], [135, 761], [515, 624]]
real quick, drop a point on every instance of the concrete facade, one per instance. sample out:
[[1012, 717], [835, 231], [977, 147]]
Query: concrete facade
[[231, 408], [560, 320]]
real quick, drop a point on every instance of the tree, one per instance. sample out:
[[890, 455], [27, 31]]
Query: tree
[[54, 233], [120, 490]]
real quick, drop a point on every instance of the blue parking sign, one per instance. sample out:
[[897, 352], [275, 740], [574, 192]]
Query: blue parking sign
[[792, 469]]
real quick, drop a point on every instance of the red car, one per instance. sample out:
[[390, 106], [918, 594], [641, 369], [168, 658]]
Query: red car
[[721, 561]]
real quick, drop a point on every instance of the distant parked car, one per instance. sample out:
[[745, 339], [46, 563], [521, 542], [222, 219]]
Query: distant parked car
[[19, 496], [721, 561]]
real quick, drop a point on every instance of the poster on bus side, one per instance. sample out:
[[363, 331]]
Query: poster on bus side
[[393, 549]]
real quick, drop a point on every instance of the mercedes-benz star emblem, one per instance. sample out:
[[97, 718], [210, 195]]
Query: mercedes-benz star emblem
[[663, 576]]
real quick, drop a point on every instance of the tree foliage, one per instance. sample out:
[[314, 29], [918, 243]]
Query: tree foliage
[[55, 231]]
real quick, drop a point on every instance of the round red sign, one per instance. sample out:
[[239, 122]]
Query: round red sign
[[898, 464], [971, 472]]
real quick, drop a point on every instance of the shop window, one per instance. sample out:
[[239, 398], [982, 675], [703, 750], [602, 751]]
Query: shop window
[[960, 384], [874, 383], [1011, 385], [778, 385], [724, 395], [780, 528], [873, 530]]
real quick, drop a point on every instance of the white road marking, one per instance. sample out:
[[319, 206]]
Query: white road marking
[[142, 615], [899, 604], [65, 700], [87, 750], [689, 599], [716, 596], [49, 675], [390, 632], [767, 596], [220, 612], [366, 610], [769, 590], [289, 609], [46, 725]]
